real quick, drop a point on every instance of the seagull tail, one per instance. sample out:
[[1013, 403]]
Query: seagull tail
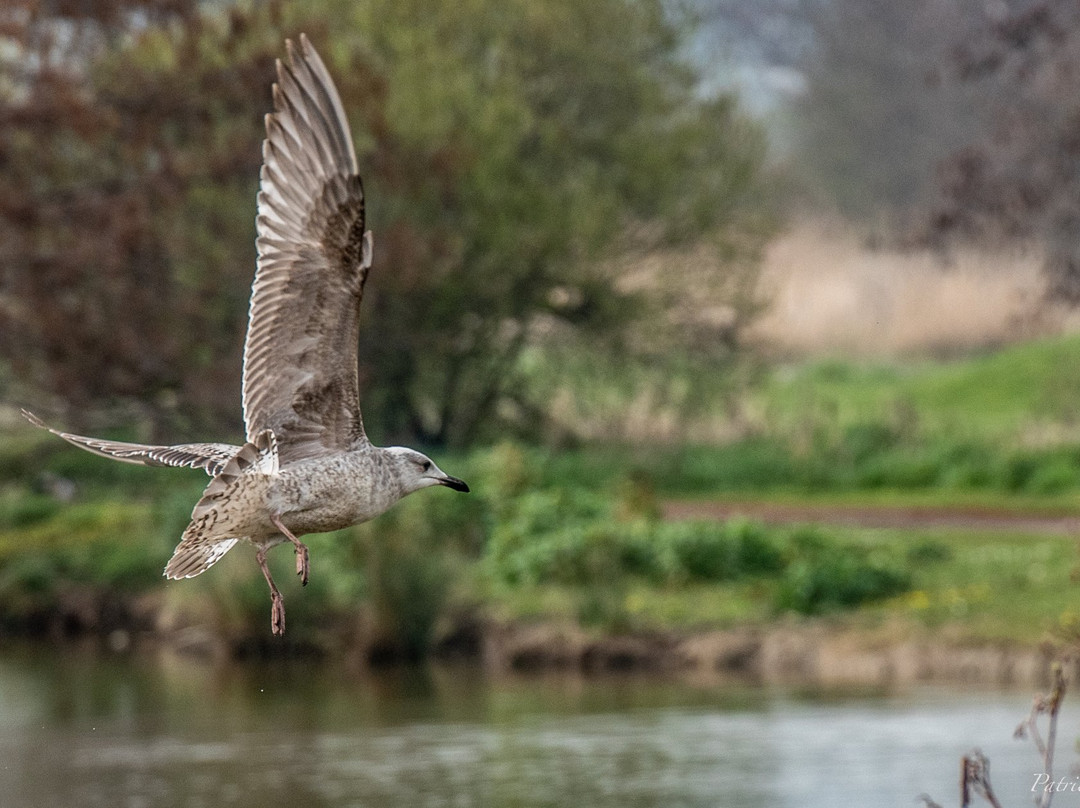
[[210, 535], [191, 559]]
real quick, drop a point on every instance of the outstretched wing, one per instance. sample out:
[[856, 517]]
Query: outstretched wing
[[210, 457], [300, 357]]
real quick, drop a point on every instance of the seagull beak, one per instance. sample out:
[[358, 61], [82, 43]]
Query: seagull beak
[[455, 483]]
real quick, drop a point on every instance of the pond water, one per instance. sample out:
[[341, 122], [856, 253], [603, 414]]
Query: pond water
[[88, 730]]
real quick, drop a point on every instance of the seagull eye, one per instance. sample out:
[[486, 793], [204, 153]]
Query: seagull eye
[[425, 466]]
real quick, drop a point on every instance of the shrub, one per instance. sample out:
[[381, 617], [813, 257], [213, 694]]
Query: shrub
[[869, 439], [703, 551], [20, 509], [410, 585], [827, 575], [542, 535], [1053, 476], [928, 551], [721, 551], [28, 587], [759, 551]]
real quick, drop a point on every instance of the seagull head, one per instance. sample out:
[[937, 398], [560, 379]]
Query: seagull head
[[416, 470]]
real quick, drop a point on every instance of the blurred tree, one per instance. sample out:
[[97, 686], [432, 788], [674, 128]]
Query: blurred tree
[[1017, 178], [878, 111], [124, 247], [511, 151]]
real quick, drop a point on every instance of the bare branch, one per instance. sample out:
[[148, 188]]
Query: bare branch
[[975, 767], [1048, 705], [975, 779]]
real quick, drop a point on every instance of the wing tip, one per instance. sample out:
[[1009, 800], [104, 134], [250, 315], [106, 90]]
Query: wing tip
[[29, 416], [292, 51], [303, 52]]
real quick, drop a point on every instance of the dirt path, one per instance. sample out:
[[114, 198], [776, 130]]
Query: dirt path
[[886, 516]]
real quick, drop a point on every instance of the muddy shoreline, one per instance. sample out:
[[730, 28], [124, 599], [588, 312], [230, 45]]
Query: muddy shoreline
[[810, 653], [816, 652]]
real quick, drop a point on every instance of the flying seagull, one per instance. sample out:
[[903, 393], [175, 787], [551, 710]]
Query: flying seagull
[[307, 465]]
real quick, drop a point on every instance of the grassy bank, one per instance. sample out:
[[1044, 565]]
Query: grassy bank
[[1026, 392], [575, 535], [525, 548]]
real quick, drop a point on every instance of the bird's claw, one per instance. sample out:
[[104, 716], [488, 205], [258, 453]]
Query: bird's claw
[[302, 563], [277, 616]]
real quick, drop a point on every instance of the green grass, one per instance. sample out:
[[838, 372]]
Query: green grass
[[996, 396], [1005, 422], [1064, 503], [594, 557], [1000, 587], [574, 533], [870, 461], [690, 606]]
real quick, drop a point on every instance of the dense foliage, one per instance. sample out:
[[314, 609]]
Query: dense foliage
[[577, 539], [514, 153], [520, 533]]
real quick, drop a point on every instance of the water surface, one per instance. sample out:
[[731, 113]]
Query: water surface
[[86, 729]]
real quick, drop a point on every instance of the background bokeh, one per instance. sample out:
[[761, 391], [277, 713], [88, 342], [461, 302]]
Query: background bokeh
[[752, 327]]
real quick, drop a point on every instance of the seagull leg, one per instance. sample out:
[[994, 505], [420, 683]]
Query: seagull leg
[[301, 548], [277, 604]]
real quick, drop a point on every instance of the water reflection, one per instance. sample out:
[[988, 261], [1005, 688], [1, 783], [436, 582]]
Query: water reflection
[[79, 729]]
